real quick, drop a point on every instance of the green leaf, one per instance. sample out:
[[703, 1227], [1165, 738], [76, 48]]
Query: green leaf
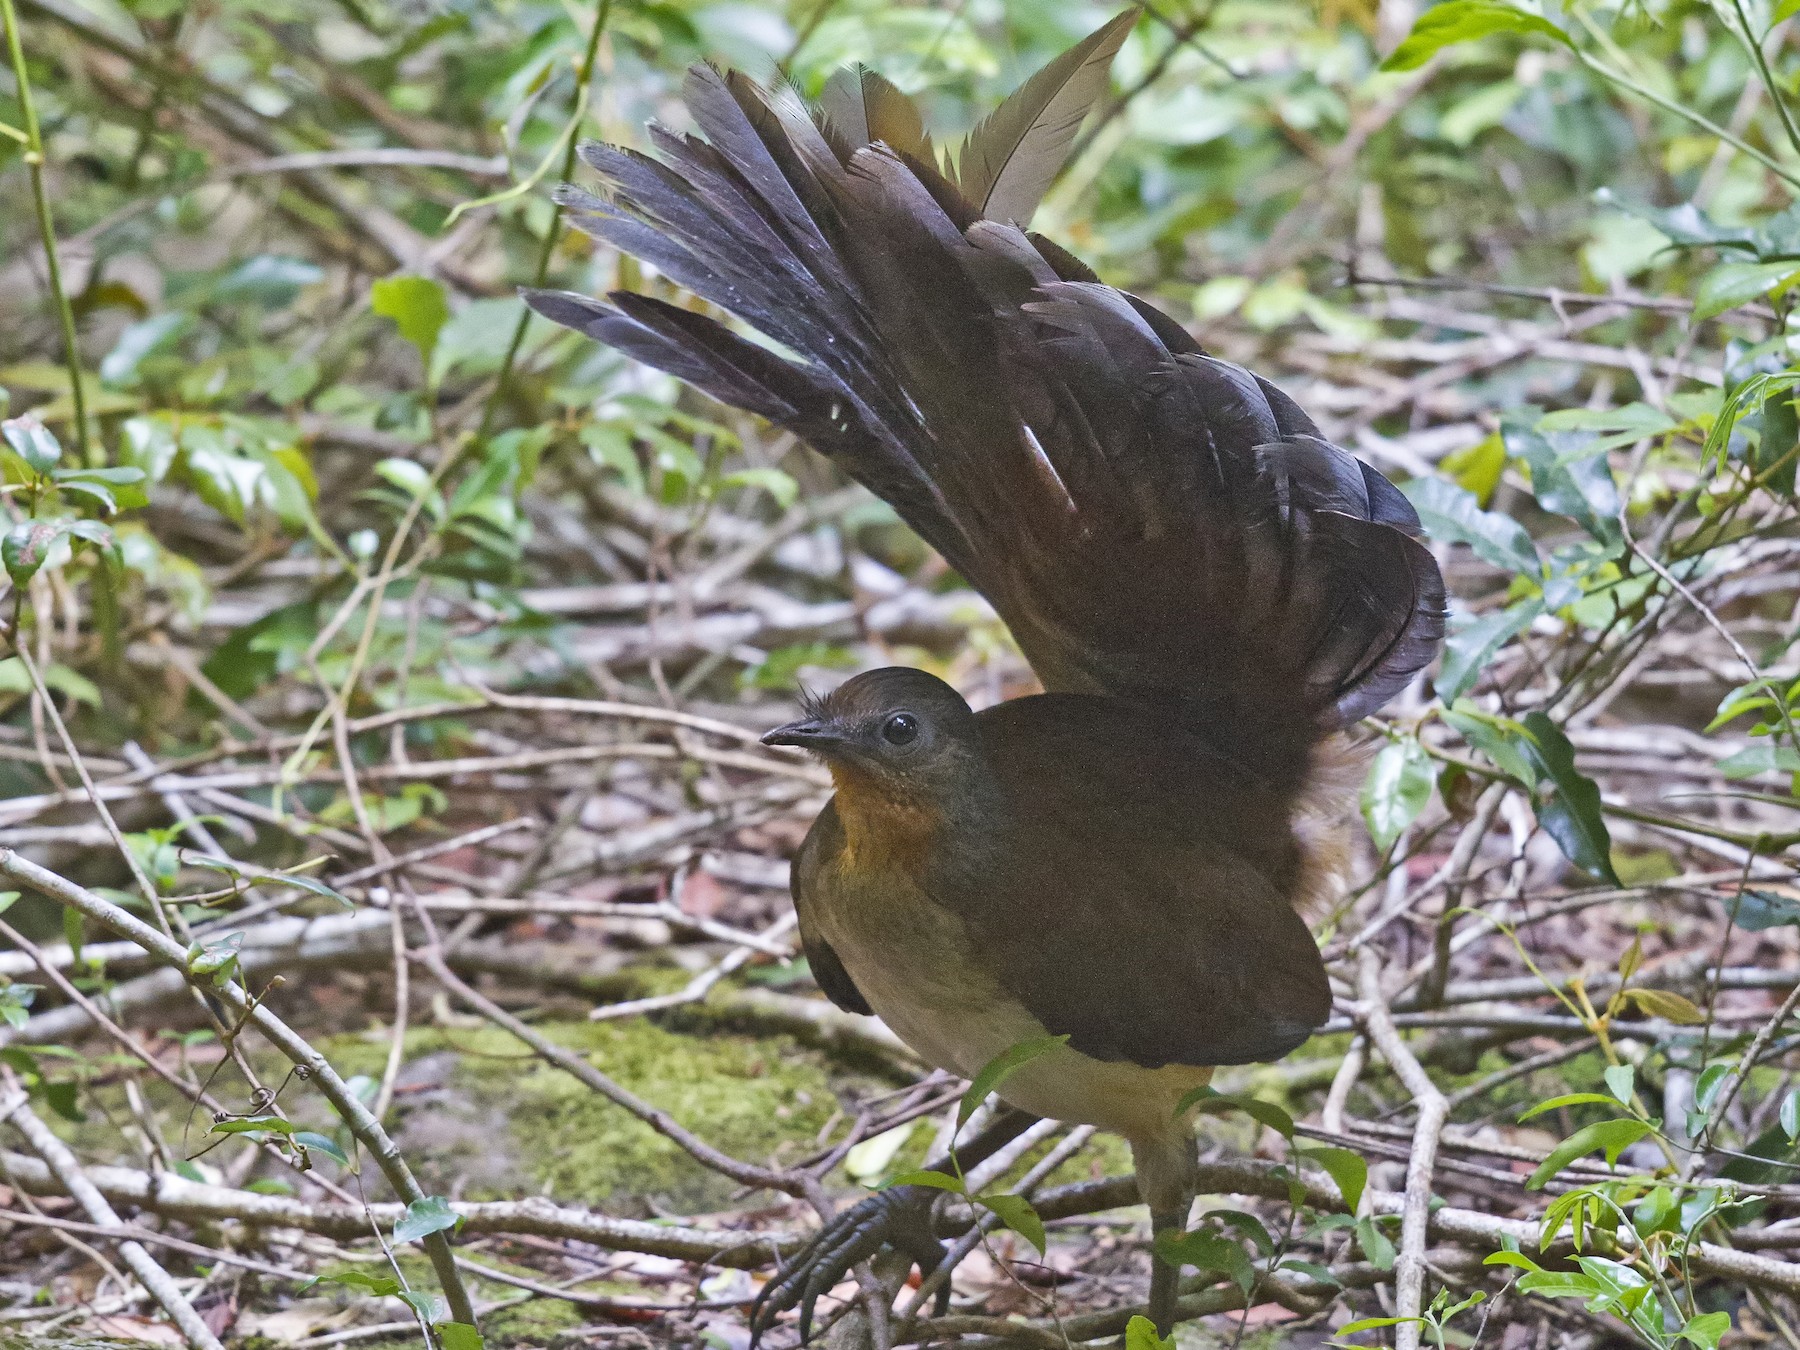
[[1452, 512], [32, 441], [226, 480], [1501, 739], [1208, 1251], [1375, 1244], [1686, 225], [63, 1100], [149, 444], [1625, 1292], [1558, 1284], [298, 880], [1613, 1137], [1659, 1211], [457, 1336], [1445, 25], [1347, 1169], [1669, 1006], [414, 480], [609, 443], [1469, 648], [73, 933], [938, 1181], [253, 1124], [99, 492], [1746, 698], [268, 278], [1312, 1270], [1706, 1087], [1624, 425], [1001, 1067], [1705, 1329], [381, 1286], [27, 546], [139, 341], [319, 1143], [425, 1217], [1572, 817], [1372, 1323], [1016, 1213], [96, 534], [1478, 469], [1621, 1081], [868, 1160], [1736, 283], [1519, 1259], [214, 955], [1395, 790], [1445, 1310], [425, 1306], [1568, 1099], [1212, 1102], [777, 484], [1140, 1334], [417, 307], [1569, 473], [1762, 757], [1248, 1225]]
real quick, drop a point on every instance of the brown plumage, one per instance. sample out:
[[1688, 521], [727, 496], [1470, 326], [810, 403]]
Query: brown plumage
[[1209, 590]]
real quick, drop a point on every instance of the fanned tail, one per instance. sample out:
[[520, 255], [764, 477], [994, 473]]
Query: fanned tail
[[1151, 522]]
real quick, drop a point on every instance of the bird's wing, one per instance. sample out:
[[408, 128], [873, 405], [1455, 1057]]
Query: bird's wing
[[1151, 522], [1143, 907], [824, 839]]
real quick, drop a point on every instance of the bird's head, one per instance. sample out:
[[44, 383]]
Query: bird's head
[[901, 732]]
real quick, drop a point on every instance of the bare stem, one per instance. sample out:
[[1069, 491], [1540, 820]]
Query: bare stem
[[40, 194], [584, 73]]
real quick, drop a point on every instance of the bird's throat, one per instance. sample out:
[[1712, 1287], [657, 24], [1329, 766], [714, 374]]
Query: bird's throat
[[885, 826]]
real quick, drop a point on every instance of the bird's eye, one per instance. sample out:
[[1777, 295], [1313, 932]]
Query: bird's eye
[[900, 729]]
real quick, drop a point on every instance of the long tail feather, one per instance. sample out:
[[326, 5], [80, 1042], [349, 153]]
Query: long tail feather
[[1010, 159], [1151, 522]]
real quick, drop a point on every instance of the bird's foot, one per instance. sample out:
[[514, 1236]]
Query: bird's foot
[[899, 1217]]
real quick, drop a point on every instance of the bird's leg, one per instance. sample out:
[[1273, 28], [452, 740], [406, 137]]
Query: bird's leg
[[899, 1217], [1167, 1172], [1165, 1279]]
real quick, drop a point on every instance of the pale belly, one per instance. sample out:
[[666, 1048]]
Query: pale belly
[[911, 961]]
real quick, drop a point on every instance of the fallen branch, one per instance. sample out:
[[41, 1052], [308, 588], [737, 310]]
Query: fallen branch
[[341, 941], [197, 1202], [1409, 1268], [60, 1162], [317, 1069]]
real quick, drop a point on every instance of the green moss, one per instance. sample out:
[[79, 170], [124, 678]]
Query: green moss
[[1107, 1155], [478, 1116], [492, 1121], [533, 1323], [1506, 1101]]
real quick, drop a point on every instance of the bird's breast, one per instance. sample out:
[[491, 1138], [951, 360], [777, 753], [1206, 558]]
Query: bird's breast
[[913, 960]]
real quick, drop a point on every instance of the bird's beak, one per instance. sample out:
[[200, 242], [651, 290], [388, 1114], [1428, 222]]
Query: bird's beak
[[810, 733]]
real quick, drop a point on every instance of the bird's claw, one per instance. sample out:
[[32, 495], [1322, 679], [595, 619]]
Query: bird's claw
[[899, 1217]]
